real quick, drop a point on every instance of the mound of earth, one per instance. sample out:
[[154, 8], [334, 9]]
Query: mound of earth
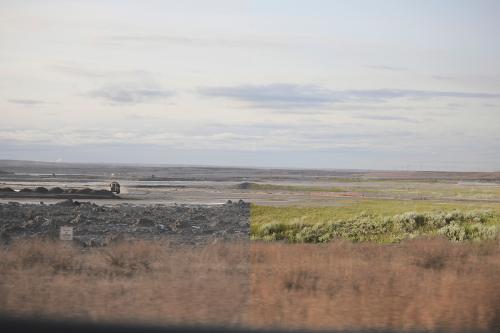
[[84, 190], [41, 189], [244, 185], [56, 190], [96, 225]]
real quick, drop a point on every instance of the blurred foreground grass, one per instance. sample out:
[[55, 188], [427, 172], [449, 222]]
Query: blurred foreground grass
[[422, 284]]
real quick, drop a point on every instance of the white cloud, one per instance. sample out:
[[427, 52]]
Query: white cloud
[[260, 78], [131, 94]]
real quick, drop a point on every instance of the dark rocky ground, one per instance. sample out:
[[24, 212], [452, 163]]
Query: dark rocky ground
[[56, 193], [97, 225]]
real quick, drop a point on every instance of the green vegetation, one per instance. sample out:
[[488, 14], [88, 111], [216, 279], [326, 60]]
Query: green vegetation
[[376, 220]]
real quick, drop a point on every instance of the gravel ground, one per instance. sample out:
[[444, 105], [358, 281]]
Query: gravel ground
[[97, 225]]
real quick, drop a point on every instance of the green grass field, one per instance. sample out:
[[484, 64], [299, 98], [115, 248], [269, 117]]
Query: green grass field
[[377, 220]]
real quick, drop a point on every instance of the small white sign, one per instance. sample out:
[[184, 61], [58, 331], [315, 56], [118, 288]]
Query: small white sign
[[66, 233]]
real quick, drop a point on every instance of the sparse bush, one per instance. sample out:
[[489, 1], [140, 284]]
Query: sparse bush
[[461, 232], [301, 280], [131, 257], [454, 232], [455, 225], [435, 261], [35, 253], [272, 231], [410, 221]]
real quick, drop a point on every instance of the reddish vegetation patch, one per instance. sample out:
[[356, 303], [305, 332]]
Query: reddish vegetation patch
[[149, 282], [420, 284]]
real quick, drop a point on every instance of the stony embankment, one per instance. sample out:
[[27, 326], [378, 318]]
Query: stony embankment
[[57, 192], [96, 225]]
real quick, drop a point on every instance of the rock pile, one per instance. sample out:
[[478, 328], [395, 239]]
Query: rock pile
[[96, 225], [57, 192]]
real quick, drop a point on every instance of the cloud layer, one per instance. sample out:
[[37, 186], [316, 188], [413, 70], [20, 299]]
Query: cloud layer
[[281, 95], [256, 78], [26, 101], [130, 94]]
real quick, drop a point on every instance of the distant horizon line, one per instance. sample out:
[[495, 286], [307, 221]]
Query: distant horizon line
[[238, 167]]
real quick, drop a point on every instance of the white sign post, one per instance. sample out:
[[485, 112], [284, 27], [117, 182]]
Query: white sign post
[[66, 233]]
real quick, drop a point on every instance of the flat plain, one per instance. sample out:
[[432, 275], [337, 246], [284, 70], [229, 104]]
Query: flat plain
[[317, 249]]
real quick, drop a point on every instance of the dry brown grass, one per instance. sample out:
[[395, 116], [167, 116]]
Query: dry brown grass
[[419, 284], [150, 282]]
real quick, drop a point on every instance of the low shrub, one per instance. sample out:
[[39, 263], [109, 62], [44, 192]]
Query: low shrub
[[461, 232], [455, 225]]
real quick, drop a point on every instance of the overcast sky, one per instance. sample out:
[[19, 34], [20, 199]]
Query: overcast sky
[[317, 84]]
